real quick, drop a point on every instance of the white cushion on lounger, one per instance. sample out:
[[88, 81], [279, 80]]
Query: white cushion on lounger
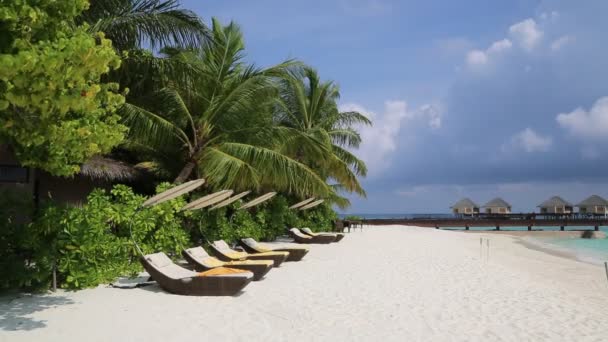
[[198, 252], [221, 245], [250, 242], [162, 262]]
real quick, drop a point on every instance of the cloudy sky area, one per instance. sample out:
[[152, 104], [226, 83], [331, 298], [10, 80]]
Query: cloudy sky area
[[469, 98]]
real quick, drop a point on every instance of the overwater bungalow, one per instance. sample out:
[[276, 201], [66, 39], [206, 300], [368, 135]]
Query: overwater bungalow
[[497, 206], [465, 207], [556, 205], [593, 205]]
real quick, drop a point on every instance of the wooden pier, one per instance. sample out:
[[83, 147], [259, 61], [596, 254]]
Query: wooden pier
[[497, 222]]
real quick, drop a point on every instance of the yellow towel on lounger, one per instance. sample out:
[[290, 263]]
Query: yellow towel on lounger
[[221, 271], [213, 262], [236, 255]]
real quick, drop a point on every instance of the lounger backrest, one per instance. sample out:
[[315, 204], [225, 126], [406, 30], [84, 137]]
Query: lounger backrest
[[163, 264], [298, 233], [307, 230], [221, 245], [250, 242], [198, 253]]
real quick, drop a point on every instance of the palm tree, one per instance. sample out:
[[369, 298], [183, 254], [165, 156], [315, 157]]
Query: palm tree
[[309, 106], [220, 126], [138, 29]]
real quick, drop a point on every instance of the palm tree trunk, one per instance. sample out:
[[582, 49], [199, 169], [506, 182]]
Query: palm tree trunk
[[185, 172]]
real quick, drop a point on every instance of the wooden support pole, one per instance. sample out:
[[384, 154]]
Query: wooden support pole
[[466, 227], [597, 228], [561, 228], [54, 277], [529, 228], [497, 227]]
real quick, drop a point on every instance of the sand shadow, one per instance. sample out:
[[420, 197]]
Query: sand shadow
[[155, 288], [14, 311]]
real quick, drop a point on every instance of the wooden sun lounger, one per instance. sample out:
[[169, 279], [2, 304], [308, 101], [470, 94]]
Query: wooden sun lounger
[[300, 237], [337, 236], [253, 247], [178, 280], [202, 261], [223, 252]]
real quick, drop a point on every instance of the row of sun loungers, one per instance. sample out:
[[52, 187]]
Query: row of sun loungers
[[229, 271]]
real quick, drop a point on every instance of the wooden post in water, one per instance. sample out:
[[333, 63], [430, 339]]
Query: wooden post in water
[[497, 227], [466, 227], [529, 228], [597, 228], [561, 228]]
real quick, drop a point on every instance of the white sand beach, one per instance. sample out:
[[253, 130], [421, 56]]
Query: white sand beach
[[386, 283]]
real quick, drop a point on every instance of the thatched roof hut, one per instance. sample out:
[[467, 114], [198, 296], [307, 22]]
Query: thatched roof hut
[[497, 206], [106, 169], [465, 206], [556, 205], [593, 205]]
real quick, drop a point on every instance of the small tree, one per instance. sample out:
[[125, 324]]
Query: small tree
[[54, 110]]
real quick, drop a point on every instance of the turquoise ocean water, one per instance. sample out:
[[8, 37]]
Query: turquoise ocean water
[[590, 250]]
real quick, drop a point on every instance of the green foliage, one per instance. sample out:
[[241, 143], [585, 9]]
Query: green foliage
[[15, 207], [319, 218], [353, 218], [90, 244], [310, 106], [54, 110], [219, 127], [265, 223]]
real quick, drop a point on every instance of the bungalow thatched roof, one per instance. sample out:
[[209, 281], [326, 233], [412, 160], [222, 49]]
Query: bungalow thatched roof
[[555, 201], [592, 201], [497, 203], [464, 203], [106, 169]]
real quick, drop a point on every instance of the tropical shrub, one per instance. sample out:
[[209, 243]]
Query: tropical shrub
[[55, 111], [15, 207], [91, 244]]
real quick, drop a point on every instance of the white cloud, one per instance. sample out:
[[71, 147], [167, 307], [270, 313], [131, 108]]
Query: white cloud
[[529, 141], [561, 42], [526, 33], [380, 140], [432, 113], [587, 125], [500, 45], [477, 57]]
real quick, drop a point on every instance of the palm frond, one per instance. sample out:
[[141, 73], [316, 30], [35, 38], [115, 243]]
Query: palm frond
[[134, 23], [152, 128], [284, 173]]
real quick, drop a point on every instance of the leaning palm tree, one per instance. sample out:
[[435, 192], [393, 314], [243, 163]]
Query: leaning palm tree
[[309, 106], [220, 126]]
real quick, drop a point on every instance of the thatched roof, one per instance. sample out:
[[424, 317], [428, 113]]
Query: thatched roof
[[497, 203], [464, 203], [592, 201], [106, 169], [555, 201]]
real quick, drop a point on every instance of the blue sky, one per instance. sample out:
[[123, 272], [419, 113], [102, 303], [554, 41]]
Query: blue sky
[[470, 98]]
